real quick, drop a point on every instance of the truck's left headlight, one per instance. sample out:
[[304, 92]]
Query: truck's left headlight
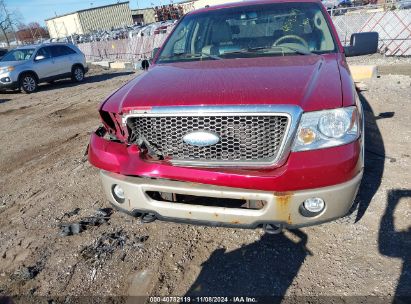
[[328, 128]]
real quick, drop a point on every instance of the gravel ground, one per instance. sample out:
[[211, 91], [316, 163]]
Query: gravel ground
[[379, 60], [46, 182]]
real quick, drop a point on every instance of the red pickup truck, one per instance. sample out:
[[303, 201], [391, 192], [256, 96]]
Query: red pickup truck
[[246, 117]]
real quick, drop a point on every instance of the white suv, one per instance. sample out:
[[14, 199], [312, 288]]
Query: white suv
[[25, 67]]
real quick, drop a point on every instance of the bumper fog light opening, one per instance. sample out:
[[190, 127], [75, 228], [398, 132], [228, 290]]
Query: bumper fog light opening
[[312, 207], [118, 193]]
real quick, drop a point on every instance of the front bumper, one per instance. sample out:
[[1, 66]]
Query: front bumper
[[8, 81], [303, 170], [8, 85], [280, 208]]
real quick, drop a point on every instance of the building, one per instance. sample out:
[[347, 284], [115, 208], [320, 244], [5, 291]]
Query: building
[[143, 16], [114, 16], [88, 20], [162, 13]]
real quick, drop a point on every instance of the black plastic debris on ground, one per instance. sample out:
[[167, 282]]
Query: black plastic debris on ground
[[27, 273], [72, 213], [105, 246], [101, 216], [108, 243]]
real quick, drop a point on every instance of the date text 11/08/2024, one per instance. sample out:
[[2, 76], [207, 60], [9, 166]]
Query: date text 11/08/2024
[[187, 299]]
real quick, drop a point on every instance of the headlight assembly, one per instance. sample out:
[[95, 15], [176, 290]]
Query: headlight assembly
[[329, 128], [6, 69]]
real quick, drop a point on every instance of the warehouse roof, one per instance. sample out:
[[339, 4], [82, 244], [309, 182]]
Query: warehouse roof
[[152, 7], [88, 9]]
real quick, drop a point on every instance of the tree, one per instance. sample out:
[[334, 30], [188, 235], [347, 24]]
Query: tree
[[7, 20]]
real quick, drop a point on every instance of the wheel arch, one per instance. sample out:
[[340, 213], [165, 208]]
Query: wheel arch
[[77, 65], [28, 72]]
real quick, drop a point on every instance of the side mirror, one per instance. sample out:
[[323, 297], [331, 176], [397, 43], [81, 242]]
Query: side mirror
[[39, 57], [362, 44], [154, 52], [145, 64]]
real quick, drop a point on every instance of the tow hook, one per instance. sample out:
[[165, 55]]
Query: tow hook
[[148, 218], [273, 228]]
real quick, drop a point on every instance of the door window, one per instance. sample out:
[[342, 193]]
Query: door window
[[44, 52], [61, 50]]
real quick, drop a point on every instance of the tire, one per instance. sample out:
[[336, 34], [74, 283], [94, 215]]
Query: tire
[[351, 217], [28, 83], [77, 73]]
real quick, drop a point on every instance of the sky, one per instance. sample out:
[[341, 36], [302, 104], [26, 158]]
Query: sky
[[38, 10]]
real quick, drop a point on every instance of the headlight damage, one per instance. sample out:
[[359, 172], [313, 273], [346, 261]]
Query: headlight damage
[[328, 128]]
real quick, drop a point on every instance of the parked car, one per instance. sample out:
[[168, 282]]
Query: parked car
[[337, 7], [403, 4], [247, 117], [27, 66], [333, 4], [330, 4], [3, 52]]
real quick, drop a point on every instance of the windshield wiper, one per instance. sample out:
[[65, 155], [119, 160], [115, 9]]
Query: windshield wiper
[[298, 51], [174, 55], [245, 51], [241, 51], [209, 55], [264, 48], [190, 55]]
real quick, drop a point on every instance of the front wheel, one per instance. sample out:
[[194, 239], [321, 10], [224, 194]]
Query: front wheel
[[77, 74], [28, 83]]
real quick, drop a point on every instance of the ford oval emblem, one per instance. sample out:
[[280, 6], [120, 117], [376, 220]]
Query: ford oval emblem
[[201, 138]]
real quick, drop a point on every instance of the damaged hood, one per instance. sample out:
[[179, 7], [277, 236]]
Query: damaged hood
[[311, 82]]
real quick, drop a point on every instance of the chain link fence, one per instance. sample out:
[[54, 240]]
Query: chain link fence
[[132, 49], [393, 27]]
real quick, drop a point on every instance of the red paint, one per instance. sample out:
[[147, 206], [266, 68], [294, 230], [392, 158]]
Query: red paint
[[303, 170], [311, 82], [299, 80]]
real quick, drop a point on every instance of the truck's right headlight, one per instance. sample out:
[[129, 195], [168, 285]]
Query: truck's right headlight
[[328, 128]]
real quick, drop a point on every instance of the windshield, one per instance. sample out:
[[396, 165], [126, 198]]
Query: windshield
[[18, 55], [277, 29]]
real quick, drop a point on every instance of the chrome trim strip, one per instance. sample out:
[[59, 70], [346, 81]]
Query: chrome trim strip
[[204, 110], [293, 113]]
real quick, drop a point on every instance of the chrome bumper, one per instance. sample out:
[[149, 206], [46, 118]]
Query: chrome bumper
[[280, 208]]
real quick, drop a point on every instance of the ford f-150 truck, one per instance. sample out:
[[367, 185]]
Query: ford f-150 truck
[[247, 116]]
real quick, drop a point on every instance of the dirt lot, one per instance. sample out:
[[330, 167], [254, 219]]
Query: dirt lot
[[45, 177]]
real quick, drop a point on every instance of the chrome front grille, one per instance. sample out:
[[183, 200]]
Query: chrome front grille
[[245, 138]]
